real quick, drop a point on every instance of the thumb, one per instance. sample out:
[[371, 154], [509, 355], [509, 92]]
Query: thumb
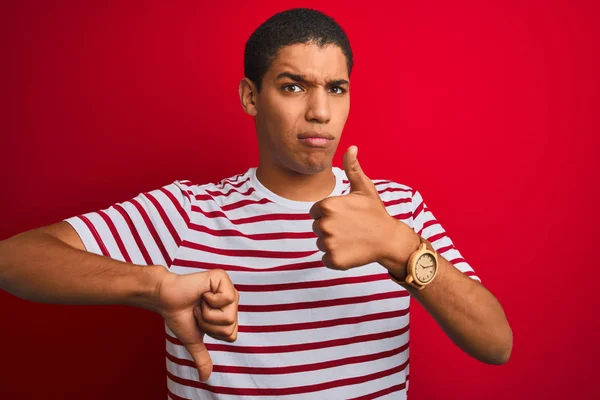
[[202, 359], [358, 180]]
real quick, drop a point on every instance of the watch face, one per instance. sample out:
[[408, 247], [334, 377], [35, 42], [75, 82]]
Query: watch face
[[425, 268]]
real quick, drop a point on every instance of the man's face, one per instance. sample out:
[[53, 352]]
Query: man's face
[[302, 108]]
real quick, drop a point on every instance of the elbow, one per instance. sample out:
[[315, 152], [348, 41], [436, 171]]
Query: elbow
[[500, 357], [500, 353]]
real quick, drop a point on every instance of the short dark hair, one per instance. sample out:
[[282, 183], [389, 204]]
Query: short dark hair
[[293, 26]]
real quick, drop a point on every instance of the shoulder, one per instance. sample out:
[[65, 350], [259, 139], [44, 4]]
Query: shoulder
[[205, 191]]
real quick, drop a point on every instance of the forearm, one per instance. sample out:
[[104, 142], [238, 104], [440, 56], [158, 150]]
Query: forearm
[[468, 313], [465, 310], [40, 267]]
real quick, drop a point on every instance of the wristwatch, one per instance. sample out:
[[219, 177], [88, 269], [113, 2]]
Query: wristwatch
[[421, 268]]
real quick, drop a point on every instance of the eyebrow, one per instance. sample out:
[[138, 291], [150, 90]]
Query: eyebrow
[[302, 79]]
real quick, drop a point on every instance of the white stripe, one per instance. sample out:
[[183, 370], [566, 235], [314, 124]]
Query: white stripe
[[85, 235], [126, 236], [106, 235], [144, 232]]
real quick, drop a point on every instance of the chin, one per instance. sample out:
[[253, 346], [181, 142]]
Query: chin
[[312, 166]]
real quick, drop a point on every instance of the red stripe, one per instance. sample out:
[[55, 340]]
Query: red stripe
[[436, 237], [457, 260], [115, 234], [243, 203], [393, 189], [152, 231], [287, 267], [94, 232], [188, 194], [290, 348], [213, 193], [185, 190], [418, 210], [427, 224], [402, 216], [311, 284], [204, 197], [135, 234], [236, 184], [397, 201], [256, 218], [231, 179], [174, 396], [292, 369], [445, 249], [177, 205], [165, 218], [235, 178], [322, 303], [471, 273], [253, 236], [376, 183], [249, 253], [301, 326], [392, 389], [288, 390], [383, 182]]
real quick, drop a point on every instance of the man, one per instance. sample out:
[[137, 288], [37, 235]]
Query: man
[[325, 259]]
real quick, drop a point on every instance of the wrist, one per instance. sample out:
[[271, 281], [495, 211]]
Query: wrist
[[403, 242], [146, 294]]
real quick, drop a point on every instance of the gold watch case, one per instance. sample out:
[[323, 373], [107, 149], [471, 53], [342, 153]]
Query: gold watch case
[[421, 268]]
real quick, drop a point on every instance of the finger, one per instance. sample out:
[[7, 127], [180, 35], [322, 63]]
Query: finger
[[321, 244], [201, 357], [192, 339], [317, 229], [358, 180], [220, 299], [222, 292], [220, 332], [315, 211], [217, 316], [232, 336], [327, 260]]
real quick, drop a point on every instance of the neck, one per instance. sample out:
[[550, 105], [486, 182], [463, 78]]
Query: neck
[[295, 186]]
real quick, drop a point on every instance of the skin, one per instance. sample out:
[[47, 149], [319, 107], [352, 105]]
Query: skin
[[288, 106]]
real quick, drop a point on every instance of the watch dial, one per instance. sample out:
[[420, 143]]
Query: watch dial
[[425, 268]]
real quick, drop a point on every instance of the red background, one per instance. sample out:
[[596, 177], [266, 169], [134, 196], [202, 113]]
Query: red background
[[490, 109]]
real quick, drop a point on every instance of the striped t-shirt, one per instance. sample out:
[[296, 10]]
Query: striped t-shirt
[[305, 331]]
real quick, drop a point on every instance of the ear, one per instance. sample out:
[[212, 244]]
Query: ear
[[247, 91]]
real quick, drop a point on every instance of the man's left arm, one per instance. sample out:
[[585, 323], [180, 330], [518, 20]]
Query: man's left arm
[[466, 311], [356, 229]]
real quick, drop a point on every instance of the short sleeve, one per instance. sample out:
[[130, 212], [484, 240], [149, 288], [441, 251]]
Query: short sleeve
[[146, 230], [426, 225]]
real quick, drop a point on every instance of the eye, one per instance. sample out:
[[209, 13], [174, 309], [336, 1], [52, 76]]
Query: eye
[[337, 90], [292, 88]]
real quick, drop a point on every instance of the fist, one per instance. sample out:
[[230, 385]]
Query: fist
[[354, 229], [197, 304]]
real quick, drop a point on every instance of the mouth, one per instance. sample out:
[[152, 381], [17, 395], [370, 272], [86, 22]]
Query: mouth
[[316, 139]]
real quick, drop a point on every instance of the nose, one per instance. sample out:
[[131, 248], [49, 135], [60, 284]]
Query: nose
[[317, 108]]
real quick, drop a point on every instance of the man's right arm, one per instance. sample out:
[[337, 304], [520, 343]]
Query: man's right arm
[[51, 265]]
